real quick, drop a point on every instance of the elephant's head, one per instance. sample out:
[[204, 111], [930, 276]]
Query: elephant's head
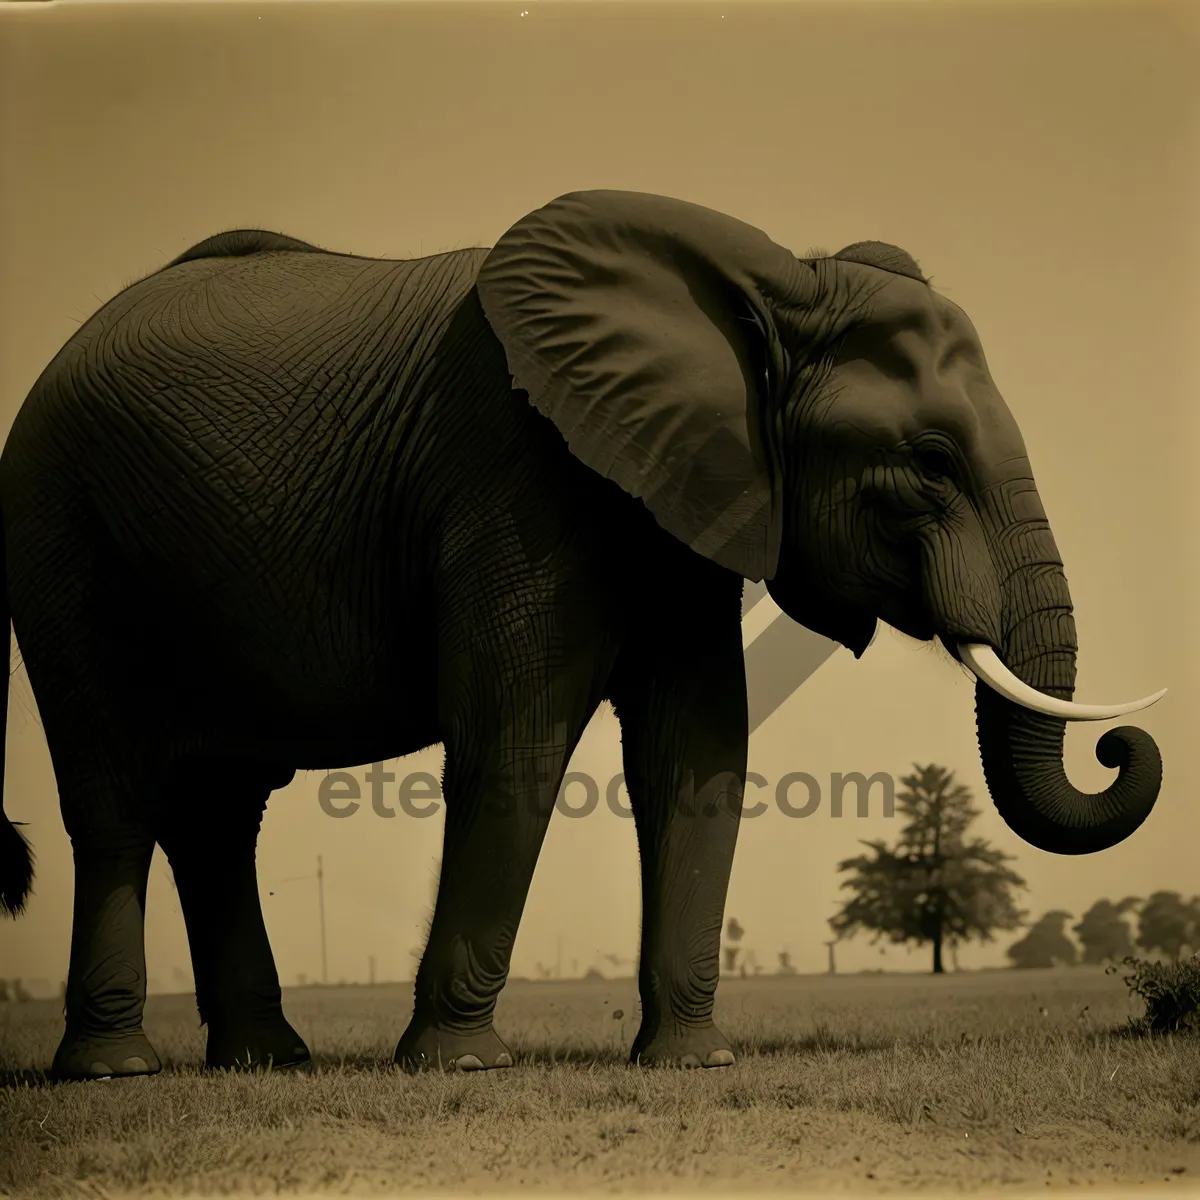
[[829, 424]]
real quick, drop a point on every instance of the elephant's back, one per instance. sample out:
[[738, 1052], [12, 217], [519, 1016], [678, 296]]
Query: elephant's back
[[236, 338], [286, 305], [233, 243], [253, 393], [269, 302]]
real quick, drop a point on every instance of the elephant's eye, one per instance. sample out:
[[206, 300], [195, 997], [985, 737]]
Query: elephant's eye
[[936, 461]]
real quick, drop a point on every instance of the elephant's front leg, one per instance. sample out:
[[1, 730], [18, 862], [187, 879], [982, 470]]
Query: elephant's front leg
[[500, 784], [682, 707]]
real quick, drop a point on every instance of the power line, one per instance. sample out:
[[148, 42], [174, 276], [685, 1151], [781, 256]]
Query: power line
[[321, 902]]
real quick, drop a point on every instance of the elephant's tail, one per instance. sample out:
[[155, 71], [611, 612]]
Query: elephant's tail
[[16, 858]]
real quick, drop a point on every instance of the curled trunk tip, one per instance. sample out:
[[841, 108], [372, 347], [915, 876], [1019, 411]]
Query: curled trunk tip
[[1022, 756]]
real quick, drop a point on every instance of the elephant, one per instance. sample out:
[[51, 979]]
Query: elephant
[[262, 481]]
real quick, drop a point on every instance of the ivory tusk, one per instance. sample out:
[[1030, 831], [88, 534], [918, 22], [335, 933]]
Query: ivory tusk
[[984, 663]]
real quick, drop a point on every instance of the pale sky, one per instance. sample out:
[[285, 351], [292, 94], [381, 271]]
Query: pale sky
[[1039, 163]]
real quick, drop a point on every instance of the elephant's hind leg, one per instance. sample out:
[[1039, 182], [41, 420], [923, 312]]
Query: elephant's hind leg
[[106, 978], [80, 674], [208, 825]]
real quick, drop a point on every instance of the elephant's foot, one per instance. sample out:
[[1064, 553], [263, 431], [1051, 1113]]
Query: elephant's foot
[[682, 1046], [247, 1046], [104, 1056], [425, 1046]]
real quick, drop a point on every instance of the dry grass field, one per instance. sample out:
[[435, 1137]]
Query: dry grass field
[[864, 1083]]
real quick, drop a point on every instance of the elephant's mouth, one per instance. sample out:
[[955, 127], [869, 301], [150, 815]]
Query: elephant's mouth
[[914, 620], [919, 626]]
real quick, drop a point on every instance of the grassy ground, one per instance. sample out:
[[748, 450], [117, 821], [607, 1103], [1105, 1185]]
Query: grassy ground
[[870, 1082]]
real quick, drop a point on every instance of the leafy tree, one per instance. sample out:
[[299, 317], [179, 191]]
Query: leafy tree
[[1103, 932], [936, 885], [1046, 944], [1169, 924]]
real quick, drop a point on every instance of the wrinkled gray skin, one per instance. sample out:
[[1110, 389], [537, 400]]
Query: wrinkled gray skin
[[274, 509]]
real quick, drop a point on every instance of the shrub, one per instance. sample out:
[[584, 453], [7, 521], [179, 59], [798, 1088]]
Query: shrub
[[1170, 991]]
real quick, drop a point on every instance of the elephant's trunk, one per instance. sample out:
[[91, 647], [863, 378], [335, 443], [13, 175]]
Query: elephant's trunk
[[1022, 750]]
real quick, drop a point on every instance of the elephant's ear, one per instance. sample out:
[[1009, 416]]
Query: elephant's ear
[[642, 327]]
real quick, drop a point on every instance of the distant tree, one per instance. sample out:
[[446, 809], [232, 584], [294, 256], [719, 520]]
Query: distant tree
[[20, 992], [1169, 924], [1046, 944], [592, 975], [1103, 933], [785, 964], [935, 885], [3, 991]]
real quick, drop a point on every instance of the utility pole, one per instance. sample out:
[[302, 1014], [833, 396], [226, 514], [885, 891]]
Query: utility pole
[[832, 969], [321, 901]]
